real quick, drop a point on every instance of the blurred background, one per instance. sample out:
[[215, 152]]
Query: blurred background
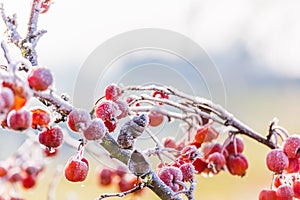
[[254, 46]]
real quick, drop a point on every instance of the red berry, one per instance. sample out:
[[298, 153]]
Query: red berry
[[96, 130], [52, 137], [170, 176], [296, 189], [209, 148], [110, 125], [40, 118], [7, 98], [216, 162], [105, 177], [291, 146], [19, 120], [50, 152], [112, 92], [78, 120], [125, 184], [105, 110], [284, 192], [14, 176], [40, 79], [294, 165], [277, 181], [267, 194], [28, 182], [237, 164], [76, 170], [121, 171], [187, 170], [200, 165], [239, 146], [155, 119], [201, 134], [3, 170], [169, 142], [277, 161], [45, 5]]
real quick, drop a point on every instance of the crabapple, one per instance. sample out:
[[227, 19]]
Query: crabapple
[[187, 170], [155, 118], [19, 120], [189, 153], [267, 194], [296, 189], [216, 162], [237, 164], [96, 130], [277, 160], [294, 165], [52, 137], [78, 120], [284, 192], [113, 92], [169, 142], [291, 146], [28, 182], [170, 176], [123, 109], [105, 177], [40, 79], [238, 144], [110, 125], [201, 134], [200, 165], [7, 98], [105, 110], [76, 170]]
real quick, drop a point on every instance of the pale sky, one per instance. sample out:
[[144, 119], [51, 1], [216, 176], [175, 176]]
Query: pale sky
[[268, 29]]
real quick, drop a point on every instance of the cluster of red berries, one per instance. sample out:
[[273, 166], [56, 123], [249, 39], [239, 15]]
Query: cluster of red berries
[[285, 163], [125, 181]]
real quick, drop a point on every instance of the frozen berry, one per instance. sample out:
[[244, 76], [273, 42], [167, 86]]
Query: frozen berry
[[170, 176], [40, 118], [201, 134], [19, 120], [237, 164], [200, 165], [112, 92], [78, 120], [52, 137], [3, 170], [155, 119], [110, 125], [105, 177], [96, 130], [291, 146], [40, 79], [216, 162], [122, 110], [277, 181], [187, 170], [169, 142], [294, 165], [76, 170], [235, 146], [50, 152], [106, 110], [7, 98], [28, 182], [284, 192], [296, 189], [267, 194], [189, 153], [277, 161]]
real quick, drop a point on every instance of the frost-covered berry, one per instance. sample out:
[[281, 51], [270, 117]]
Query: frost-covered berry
[[294, 165], [105, 177], [189, 153], [201, 135], [291, 146], [200, 165], [169, 142], [112, 92], [216, 162], [284, 192], [110, 125], [19, 120], [105, 110], [78, 120], [155, 119], [238, 144], [267, 194], [76, 170], [188, 171], [40, 79], [237, 164], [52, 137], [277, 160], [296, 189], [40, 118], [170, 176], [28, 181], [96, 130], [7, 98], [122, 110]]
